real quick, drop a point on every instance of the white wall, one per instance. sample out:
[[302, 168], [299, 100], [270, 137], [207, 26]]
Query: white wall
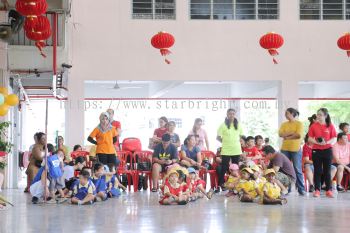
[[106, 44]]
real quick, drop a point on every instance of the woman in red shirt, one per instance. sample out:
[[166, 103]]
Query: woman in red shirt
[[322, 135], [308, 164], [158, 133]]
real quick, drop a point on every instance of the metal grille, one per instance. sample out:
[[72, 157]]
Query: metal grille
[[153, 9], [21, 39], [324, 9], [234, 9]]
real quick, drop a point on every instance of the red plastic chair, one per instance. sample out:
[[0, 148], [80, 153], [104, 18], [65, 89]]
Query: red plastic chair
[[345, 180], [125, 167], [85, 154], [143, 157], [214, 180]]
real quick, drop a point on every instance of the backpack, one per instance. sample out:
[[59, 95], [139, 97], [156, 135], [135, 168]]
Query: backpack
[[55, 170]]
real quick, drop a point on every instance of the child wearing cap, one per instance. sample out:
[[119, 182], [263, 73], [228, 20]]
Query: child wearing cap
[[197, 186], [172, 194], [271, 191], [246, 187], [232, 180], [259, 180]]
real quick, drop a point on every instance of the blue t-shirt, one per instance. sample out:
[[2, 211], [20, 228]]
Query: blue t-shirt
[[192, 154], [169, 153], [55, 170]]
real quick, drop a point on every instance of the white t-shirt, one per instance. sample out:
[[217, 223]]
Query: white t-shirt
[[68, 172]]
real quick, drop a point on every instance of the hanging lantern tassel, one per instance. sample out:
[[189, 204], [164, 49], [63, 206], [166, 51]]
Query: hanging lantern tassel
[[164, 53], [273, 52], [348, 53], [40, 45]]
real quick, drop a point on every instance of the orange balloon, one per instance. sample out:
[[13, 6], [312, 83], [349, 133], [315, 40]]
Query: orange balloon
[[12, 100], [4, 109], [4, 91]]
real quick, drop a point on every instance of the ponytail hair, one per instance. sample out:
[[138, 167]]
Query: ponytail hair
[[328, 118], [293, 111], [235, 121]]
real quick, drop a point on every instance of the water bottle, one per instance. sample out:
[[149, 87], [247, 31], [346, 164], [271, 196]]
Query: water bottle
[[334, 188]]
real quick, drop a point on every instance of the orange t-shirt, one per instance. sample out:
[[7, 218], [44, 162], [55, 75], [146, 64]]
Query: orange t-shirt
[[104, 140]]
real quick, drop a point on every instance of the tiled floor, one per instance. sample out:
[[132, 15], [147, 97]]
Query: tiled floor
[[140, 212]]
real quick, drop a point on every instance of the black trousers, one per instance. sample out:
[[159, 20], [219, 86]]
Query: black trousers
[[322, 160], [225, 165]]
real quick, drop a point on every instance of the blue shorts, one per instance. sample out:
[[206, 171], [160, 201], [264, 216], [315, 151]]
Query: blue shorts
[[311, 166]]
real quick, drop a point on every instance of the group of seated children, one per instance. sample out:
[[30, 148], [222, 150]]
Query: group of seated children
[[252, 148], [250, 186], [181, 185], [57, 178]]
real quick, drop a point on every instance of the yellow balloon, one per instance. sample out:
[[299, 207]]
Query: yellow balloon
[[12, 100], [4, 109], [4, 91]]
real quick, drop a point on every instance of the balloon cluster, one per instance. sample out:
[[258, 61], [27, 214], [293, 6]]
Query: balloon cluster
[[6, 101]]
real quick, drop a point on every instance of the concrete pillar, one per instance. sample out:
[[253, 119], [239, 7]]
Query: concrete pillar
[[288, 97], [75, 111]]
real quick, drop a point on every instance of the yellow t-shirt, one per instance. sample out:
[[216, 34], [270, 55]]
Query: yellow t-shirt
[[273, 190], [260, 182], [292, 127], [104, 140], [231, 180], [230, 139], [248, 186]]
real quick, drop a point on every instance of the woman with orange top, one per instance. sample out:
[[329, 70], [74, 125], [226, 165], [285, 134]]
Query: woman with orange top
[[106, 136]]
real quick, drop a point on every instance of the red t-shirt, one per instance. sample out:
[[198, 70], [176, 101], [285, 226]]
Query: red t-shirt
[[307, 151], [251, 152], [317, 130], [116, 125], [348, 137], [260, 151], [160, 132]]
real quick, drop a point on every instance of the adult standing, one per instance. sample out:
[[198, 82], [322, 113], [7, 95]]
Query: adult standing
[[229, 134], [202, 134], [106, 136], [322, 135], [291, 132], [38, 153], [117, 126]]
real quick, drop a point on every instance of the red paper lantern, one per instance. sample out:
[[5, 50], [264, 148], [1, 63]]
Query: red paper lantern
[[31, 7], [272, 41], [344, 43], [163, 41], [38, 23], [40, 36]]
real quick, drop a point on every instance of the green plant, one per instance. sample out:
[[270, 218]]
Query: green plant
[[4, 144]]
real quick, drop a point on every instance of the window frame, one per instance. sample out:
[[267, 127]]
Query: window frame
[[153, 15]]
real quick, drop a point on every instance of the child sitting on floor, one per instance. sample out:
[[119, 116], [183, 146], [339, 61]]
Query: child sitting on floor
[[271, 191], [172, 194], [113, 184], [197, 186], [259, 181], [246, 187], [184, 185], [232, 180], [84, 190], [99, 180]]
